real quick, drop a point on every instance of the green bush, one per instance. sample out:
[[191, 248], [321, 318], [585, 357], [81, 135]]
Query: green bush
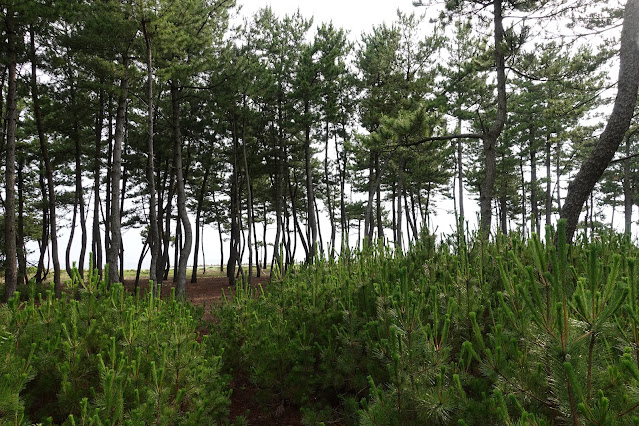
[[101, 355], [459, 332]]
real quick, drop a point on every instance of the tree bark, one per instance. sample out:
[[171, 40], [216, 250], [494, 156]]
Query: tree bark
[[181, 193], [460, 173], [548, 183], [249, 207], [116, 172], [198, 215], [310, 194], [490, 137], [618, 123], [44, 240], [48, 167], [10, 275], [154, 238], [628, 201], [533, 181], [97, 239], [20, 243]]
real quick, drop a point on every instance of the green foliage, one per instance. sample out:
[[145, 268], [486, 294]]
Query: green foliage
[[100, 355], [510, 332]]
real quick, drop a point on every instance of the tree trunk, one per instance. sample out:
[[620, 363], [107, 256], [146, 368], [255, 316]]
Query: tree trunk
[[489, 138], [249, 190], [378, 210], [97, 239], [310, 195], [116, 172], [198, 215], [460, 173], [67, 256], [548, 183], [329, 201], [154, 238], [20, 244], [181, 193], [235, 232], [627, 191], [48, 167], [400, 190], [140, 260], [44, 240], [618, 123], [533, 182], [10, 275]]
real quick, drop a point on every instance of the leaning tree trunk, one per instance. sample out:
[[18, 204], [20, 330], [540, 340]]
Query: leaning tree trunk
[[116, 172], [618, 123], [487, 185], [181, 193], [49, 169]]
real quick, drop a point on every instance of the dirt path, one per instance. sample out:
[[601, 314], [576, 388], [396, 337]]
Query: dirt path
[[207, 292]]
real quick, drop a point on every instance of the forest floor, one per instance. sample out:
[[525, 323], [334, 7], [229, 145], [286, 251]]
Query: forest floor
[[245, 399]]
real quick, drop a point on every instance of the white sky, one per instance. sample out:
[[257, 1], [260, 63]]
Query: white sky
[[357, 16]]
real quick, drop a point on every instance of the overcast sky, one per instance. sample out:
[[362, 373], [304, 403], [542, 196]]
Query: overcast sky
[[357, 16]]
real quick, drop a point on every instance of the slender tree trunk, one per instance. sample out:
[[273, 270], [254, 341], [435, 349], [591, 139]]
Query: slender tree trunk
[[109, 178], [460, 172], [154, 238], [524, 217], [116, 173], [378, 210], [10, 275], [67, 256], [176, 249], [548, 183], [503, 215], [341, 168], [140, 260], [20, 245], [400, 190], [310, 195], [181, 193], [595, 165], [329, 194], [628, 201], [198, 215], [368, 217], [97, 239], [487, 185], [533, 181], [219, 231], [48, 167], [235, 231], [249, 190], [44, 240]]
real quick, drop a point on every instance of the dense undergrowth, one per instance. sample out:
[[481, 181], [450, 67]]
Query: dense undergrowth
[[103, 356], [453, 332], [511, 332]]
